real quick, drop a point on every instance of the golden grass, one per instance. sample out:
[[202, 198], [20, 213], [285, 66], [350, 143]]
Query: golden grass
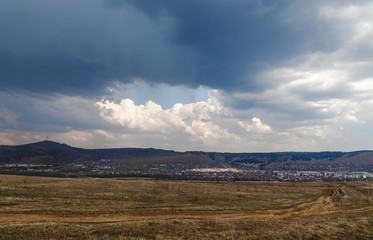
[[82, 208]]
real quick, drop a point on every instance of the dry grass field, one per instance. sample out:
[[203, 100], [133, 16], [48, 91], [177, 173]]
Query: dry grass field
[[86, 208]]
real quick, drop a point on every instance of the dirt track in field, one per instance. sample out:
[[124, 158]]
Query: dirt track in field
[[325, 204]]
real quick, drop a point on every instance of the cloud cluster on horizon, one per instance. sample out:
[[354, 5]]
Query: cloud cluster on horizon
[[284, 75]]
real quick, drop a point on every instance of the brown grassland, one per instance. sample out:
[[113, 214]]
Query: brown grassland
[[87, 208]]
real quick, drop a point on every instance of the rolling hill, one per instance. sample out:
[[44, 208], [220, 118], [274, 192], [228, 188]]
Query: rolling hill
[[48, 152]]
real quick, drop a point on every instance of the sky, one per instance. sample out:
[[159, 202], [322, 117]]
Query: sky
[[212, 75]]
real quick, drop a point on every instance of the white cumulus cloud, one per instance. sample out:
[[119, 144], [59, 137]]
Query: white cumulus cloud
[[255, 126], [196, 119]]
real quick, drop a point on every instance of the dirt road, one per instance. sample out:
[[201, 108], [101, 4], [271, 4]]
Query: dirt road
[[326, 204]]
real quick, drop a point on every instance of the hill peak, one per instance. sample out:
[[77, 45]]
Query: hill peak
[[46, 144]]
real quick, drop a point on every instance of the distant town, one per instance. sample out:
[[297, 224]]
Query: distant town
[[49, 158], [198, 171]]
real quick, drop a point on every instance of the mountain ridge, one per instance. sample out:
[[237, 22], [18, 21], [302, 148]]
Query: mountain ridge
[[49, 152]]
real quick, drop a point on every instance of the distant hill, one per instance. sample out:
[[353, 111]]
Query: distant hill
[[176, 158], [358, 157], [48, 152]]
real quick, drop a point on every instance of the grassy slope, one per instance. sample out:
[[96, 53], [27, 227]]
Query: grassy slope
[[37, 208]]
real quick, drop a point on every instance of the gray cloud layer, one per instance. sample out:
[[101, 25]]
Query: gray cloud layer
[[288, 74], [81, 47]]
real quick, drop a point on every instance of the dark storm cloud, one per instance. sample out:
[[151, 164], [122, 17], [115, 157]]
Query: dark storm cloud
[[232, 38], [81, 47]]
